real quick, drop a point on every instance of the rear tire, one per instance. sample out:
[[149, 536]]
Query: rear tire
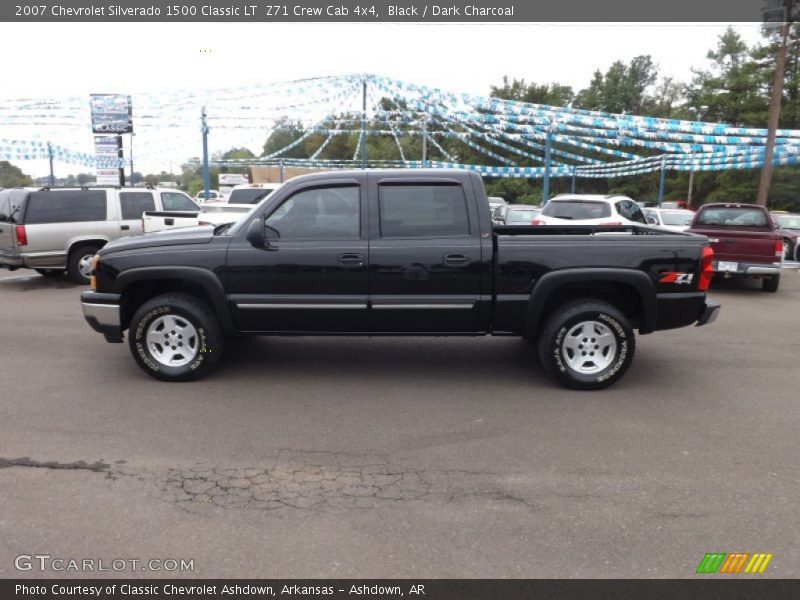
[[51, 273], [79, 263], [587, 344], [176, 337], [770, 284]]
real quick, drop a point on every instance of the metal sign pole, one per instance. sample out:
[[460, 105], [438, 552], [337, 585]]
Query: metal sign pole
[[206, 184], [50, 155]]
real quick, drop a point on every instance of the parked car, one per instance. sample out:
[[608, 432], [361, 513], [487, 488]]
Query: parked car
[[590, 209], [681, 204], [521, 214], [213, 196], [789, 227], [402, 251], [499, 214], [745, 240], [251, 193], [53, 230], [672, 219]]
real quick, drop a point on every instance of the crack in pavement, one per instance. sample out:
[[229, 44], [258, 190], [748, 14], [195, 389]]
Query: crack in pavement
[[302, 481], [26, 461]]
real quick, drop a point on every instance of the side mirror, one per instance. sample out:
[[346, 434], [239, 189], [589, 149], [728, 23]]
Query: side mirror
[[255, 233], [652, 221], [687, 222]]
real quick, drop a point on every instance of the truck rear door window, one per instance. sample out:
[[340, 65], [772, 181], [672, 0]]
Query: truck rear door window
[[732, 217], [423, 211], [66, 206], [133, 204]]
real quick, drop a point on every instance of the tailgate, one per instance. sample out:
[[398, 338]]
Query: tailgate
[[742, 246]]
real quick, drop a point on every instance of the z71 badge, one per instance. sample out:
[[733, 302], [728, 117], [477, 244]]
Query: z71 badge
[[675, 277]]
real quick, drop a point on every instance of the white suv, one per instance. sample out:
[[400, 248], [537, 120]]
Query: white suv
[[590, 209]]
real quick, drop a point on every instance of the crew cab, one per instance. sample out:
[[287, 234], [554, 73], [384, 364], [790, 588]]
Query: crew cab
[[397, 252], [745, 241]]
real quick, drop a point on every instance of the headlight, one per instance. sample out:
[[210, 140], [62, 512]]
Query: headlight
[[93, 279]]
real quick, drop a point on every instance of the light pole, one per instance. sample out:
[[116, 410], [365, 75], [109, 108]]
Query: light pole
[[775, 103]]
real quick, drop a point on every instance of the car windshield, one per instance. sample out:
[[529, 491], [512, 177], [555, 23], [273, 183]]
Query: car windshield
[[521, 216], [576, 210], [788, 221], [676, 218], [730, 216], [249, 195]]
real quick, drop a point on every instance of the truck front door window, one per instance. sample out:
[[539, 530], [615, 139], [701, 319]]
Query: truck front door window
[[318, 214]]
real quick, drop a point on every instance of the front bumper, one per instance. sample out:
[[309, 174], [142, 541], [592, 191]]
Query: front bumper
[[709, 314], [102, 313]]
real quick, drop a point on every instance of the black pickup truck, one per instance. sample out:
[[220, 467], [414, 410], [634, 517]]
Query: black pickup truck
[[397, 252]]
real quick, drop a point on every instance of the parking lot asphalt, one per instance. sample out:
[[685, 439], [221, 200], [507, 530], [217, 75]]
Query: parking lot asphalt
[[400, 457]]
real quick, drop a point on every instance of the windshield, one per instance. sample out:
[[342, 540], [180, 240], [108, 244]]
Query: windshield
[[676, 218], [733, 217], [521, 216], [249, 195], [788, 221], [576, 209]]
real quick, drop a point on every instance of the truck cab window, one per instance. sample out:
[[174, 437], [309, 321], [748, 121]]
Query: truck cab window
[[423, 211], [331, 213], [179, 202]]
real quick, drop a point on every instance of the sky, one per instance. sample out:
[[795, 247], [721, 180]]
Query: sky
[[158, 59]]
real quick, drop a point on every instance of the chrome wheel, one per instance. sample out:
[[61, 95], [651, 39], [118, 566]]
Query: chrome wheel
[[787, 250], [589, 347], [172, 341], [85, 265]]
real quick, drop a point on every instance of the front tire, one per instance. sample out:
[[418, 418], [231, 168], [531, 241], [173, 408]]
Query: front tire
[[587, 344], [175, 337]]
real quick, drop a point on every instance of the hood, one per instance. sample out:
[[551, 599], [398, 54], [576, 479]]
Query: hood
[[202, 234]]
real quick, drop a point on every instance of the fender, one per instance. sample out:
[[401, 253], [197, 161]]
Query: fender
[[203, 277], [550, 281]]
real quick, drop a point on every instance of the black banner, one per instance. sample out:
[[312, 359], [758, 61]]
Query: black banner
[[371, 11], [426, 589]]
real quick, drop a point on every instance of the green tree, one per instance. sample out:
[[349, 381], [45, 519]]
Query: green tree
[[553, 94], [622, 89], [12, 176]]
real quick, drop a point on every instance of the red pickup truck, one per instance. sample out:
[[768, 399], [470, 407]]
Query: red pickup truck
[[745, 241]]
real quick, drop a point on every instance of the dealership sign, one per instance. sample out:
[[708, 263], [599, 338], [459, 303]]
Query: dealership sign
[[111, 113]]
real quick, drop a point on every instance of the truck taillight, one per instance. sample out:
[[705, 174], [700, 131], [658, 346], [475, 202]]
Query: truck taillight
[[613, 223], [537, 222], [22, 237], [706, 269], [778, 249]]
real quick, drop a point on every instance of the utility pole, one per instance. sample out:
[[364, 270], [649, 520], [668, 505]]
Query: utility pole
[[547, 145], [775, 103], [50, 156], [206, 183], [425, 143], [364, 125], [661, 180]]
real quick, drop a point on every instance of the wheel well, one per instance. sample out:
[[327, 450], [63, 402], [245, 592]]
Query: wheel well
[[620, 295], [139, 292], [78, 244]]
